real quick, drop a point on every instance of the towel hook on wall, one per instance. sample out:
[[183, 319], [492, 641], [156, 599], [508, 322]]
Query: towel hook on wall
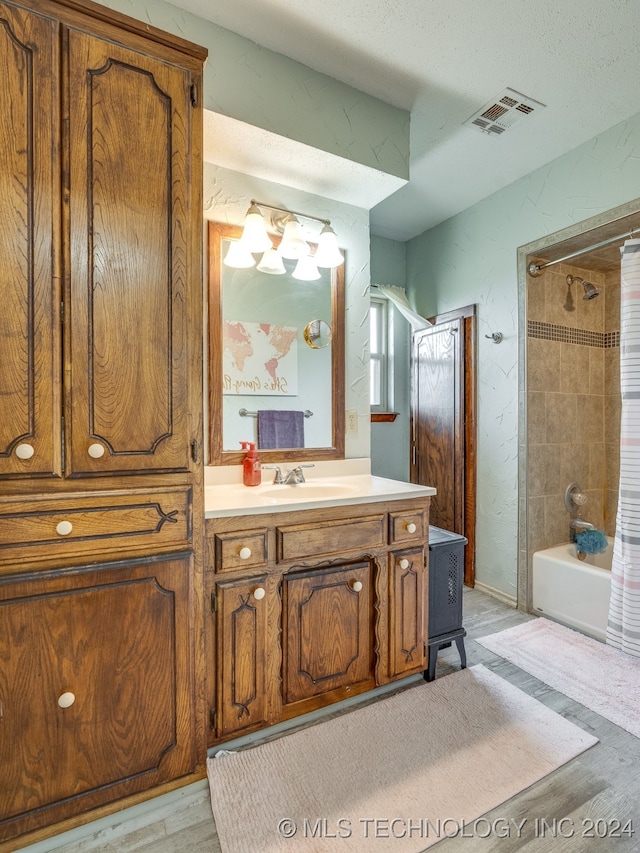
[[496, 337]]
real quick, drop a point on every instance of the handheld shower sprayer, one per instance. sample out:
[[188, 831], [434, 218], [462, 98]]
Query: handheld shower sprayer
[[590, 290]]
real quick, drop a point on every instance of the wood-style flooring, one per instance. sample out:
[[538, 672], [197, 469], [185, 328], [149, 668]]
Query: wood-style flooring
[[583, 799]]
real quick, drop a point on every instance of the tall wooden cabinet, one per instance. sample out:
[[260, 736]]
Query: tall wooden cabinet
[[99, 187], [100, 414]]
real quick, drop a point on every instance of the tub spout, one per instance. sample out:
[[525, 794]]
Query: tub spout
[[577, 525]]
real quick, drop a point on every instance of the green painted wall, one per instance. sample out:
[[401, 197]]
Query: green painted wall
[[265, 89], [471, 258], [390, 441]]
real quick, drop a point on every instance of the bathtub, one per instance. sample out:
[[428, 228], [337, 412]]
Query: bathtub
[[572, 591]]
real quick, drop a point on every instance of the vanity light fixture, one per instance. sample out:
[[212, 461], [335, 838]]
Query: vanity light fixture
[[306, 269], [239, 256], [293, 245], [271, 263], [254, 236], [328, 254]]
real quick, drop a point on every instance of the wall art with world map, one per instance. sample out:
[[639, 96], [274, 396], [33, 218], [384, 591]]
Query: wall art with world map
[[259, 358]]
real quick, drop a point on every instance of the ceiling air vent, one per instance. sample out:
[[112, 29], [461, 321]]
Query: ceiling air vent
[[503, 112]]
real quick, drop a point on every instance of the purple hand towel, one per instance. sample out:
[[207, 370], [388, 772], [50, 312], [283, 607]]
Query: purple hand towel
[[280, 430]]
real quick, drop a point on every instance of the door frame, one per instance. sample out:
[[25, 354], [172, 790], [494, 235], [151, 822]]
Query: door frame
[[467, 318]]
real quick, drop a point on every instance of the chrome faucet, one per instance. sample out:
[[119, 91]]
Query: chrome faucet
[[296, 475], [291, 478], [278, 478], [577, 525]]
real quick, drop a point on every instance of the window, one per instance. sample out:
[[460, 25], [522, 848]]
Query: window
[[380, 356]]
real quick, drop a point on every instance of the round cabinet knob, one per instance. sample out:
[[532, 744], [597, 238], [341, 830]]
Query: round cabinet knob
[[411, 528], [24, 451], [356, 586], [244, 553], [95, 451], [404, 563], [64, 528], [67, 699], [259, 593]]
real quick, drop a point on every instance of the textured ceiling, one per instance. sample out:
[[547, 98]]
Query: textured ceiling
[[445, 60]]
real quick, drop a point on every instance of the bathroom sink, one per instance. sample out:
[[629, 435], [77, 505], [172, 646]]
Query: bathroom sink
[[308, 491]]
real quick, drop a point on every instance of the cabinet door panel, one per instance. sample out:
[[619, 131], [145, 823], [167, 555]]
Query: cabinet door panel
[[131, 267], [327, 630], [117, 640], [242, 648], [407, 617], [29, 245]]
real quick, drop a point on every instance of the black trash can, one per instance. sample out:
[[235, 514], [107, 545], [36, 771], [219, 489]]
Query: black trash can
[[446, 578]]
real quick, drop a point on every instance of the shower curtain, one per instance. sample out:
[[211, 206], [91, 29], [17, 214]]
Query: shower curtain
[[623, 629]]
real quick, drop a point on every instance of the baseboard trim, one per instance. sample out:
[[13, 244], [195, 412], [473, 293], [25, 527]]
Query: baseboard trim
[[97, 834], [511, 600]]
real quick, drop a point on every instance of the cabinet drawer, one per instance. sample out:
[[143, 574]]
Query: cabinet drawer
[[243, 550], [306, 541], [407, 526], [101, 523]]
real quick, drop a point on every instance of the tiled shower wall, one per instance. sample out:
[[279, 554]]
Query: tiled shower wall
[[573, 401]]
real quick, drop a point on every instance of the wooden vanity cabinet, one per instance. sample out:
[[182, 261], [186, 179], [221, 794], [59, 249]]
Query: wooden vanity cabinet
[[309, 607], [101, 497]]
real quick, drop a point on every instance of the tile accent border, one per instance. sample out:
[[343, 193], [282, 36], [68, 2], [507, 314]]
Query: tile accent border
[[570, 335]]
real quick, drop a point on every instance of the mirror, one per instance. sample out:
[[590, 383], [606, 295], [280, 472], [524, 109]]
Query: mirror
[[276, 345], [317, 334]]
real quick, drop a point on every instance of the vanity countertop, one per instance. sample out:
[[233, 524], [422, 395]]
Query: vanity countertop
[[238, 499]]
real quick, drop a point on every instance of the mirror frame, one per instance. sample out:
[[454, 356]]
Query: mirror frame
[[218, 232]]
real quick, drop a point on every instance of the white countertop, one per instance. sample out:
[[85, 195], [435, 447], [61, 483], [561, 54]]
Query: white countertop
[[227, 499]]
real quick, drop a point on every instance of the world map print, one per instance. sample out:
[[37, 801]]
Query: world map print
[[259, 358]]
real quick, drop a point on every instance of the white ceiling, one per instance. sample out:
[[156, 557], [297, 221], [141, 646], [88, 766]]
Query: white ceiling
[[253, 151], [444, 60]]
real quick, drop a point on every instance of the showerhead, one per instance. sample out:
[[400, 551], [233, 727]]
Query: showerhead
[[590, 290]]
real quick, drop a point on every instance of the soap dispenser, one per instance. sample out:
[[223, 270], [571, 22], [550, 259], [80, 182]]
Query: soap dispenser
[[251, 467]]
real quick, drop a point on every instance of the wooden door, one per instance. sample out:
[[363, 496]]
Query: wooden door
[[327, 630], [407, 612], [96, 688], [131, 356], [438, 434], [241, 652], [30, 360], [443, 423]]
